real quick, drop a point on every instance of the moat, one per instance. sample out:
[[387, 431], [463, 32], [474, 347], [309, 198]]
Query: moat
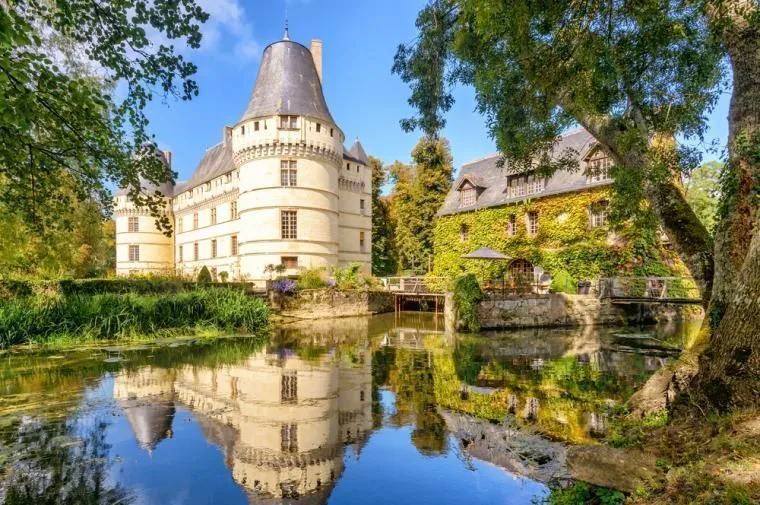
[[341, 411]]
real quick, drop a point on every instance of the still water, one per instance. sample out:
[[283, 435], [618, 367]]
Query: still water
[[338, 412]]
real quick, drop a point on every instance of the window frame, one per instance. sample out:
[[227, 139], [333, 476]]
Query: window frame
[[464, 232], [512, 225], [531, 223], [289, 262], [133, 224], [599, 214], [214, 248], [289, 224], [213, 215], [134, 253], [196, 251], [288, 173], [468, 196], [233, 210], [234, 245]]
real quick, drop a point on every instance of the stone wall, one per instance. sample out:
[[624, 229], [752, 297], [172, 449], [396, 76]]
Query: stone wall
[[322, 303], [558, 309]]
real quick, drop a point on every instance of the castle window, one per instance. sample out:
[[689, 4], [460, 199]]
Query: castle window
[[598, 167], [289, 387], [289, 262], [133, 224], [195, 220], [195, 251], [512, 225], [289, 224], [255, 126], [180, 224], [289, 436], [213, 248], [348, 166], [288, 122], [180, 254], [134, 253], [242, 130], [208, 186], [234, 245], [464, 233], [531, 223], [467, 196], [361, 241], [599, 214], [233, 210], [213, 215], [228, 177], [331, 132], [319, 127], [288, 172], [361, 205]]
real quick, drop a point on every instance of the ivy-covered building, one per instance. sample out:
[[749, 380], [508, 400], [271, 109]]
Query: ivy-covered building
[[551, 228]]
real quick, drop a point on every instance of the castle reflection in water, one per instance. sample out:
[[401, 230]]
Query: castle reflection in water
[[282, 421]]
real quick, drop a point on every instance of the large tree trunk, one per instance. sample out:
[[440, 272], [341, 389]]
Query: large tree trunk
[[729, 372]]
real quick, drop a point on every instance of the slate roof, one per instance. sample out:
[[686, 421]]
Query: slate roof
[[216, 162], [148, 188], [493, 179], [287, 83], [357, 151]]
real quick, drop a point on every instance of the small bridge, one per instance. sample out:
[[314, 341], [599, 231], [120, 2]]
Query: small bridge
[[416, 289], [675, 290]]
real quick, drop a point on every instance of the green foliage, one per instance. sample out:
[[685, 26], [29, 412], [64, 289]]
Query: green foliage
[[47, 317], [565, 242], [223, 276], [467, 295], [419, 191], [61, 120], [703, 192], [351, 277], [581, 493], [204, 276], [383, 248], [315, 278], [562, 282]]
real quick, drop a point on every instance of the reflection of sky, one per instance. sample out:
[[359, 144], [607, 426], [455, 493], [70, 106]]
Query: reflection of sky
[[391, 470]]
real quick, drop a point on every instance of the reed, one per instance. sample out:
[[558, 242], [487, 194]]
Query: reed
[[45, 318]]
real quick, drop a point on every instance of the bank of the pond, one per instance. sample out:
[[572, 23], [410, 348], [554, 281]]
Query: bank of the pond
[[57, 318]]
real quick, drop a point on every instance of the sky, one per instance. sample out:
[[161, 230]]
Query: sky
[[360, 39]]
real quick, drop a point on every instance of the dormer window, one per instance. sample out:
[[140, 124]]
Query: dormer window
[[467, 196], [519, 185], [288, 122], [598, 167]]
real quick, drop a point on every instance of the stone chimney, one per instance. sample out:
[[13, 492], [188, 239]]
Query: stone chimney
[[316, 53], [168, 158], [226, 134]]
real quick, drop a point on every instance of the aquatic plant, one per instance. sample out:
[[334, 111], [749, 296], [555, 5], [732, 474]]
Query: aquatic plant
[[40, 319]]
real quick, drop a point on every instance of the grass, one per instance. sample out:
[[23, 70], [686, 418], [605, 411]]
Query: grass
[[59, 319]]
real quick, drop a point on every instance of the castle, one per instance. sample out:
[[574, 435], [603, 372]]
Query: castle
[[279, 189]]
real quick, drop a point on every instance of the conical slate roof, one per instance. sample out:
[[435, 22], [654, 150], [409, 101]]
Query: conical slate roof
[[287, 83], [357, 151]]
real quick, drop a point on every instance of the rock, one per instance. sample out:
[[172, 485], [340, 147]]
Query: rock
[[621, 469]]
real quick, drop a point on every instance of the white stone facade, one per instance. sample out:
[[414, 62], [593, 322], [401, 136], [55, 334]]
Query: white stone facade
[[279, 189]]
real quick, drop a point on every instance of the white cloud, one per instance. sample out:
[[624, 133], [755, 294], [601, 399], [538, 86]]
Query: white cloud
[[228, 26]]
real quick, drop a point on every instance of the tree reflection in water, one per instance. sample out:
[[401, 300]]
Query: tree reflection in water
[[53, 464]]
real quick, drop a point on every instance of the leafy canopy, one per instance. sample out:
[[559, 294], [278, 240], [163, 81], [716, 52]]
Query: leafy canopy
[[60, 61]]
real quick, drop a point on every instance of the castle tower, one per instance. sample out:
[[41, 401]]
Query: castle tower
[[141, 248], [289, 151]]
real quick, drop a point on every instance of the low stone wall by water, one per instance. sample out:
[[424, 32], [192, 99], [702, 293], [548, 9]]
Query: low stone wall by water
[[325, 303], [559, 309]]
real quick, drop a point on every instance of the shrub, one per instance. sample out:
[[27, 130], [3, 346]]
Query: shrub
[[351, 277], [39, 319], [284, 286], [204, 276], [562, 282], [313, 279], [467, 295], [223, 276]]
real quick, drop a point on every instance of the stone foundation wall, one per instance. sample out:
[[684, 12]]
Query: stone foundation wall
[[323, 303], [558, 309]]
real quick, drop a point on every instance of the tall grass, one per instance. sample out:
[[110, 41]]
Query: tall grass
[[45, 318]]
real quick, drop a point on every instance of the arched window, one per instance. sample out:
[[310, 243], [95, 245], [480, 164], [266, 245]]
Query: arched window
[[521, 272]]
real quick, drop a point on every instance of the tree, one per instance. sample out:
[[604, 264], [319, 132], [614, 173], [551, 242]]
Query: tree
[[383, 253], [419, 191], [702, 190], [59, 62], [635, 75], [204, 276]]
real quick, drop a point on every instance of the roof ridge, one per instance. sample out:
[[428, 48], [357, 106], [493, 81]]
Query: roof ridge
[[480, 159]]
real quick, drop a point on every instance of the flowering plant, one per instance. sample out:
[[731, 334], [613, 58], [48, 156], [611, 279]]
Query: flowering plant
[[285, 286]]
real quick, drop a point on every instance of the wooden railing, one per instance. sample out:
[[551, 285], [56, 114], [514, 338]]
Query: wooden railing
[[418, 285], [662, 289]]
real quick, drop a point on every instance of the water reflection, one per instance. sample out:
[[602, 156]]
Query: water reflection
[[321, 412]]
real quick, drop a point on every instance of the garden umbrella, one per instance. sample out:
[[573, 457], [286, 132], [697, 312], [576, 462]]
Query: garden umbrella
[[485, 253]]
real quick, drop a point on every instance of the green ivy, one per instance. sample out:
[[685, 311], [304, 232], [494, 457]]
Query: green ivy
[[467, 295], [565, 241]]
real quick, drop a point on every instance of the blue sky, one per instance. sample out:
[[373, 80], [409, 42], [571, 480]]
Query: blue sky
[[360, 39]]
